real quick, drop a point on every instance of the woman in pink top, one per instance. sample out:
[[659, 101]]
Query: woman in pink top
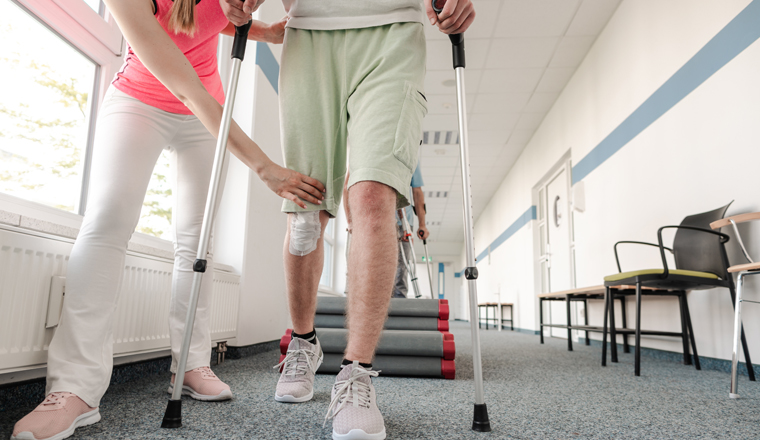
[[167, 95]]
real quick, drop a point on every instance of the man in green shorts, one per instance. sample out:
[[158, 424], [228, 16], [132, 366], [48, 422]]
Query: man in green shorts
[[352, 71]]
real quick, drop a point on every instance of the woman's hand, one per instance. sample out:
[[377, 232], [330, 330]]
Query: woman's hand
[[292, 185], [277, 31]]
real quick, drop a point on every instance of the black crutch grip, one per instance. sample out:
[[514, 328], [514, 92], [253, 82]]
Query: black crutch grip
[[457, 40], [241, 37]]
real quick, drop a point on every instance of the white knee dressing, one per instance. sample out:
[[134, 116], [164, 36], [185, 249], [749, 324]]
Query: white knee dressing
[[305, 229]]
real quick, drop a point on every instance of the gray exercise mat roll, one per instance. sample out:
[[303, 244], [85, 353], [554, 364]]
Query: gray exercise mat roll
[[392, 342], [431, 308], [393, 322], [397, 366]]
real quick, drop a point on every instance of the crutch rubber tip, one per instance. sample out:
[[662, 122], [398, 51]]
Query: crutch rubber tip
[[173, 415], [733, 396], [480, 422]]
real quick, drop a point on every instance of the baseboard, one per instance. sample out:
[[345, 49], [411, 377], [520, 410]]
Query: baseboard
[[32, 392], [707, 363]]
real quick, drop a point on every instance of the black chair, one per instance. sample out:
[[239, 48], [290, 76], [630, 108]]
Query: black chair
[[701, 263]]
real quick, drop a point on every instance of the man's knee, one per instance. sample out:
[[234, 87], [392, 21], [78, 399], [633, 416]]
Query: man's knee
[[372, 201], [306, 229]]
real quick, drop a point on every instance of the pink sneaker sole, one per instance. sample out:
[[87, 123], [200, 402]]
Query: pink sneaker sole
[[85, 419], [187, 391]]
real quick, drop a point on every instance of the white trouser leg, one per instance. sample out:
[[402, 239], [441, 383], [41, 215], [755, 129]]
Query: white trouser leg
[[192, 157], [129, 139]]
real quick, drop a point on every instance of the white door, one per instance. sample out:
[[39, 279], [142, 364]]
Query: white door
[[556, 254]]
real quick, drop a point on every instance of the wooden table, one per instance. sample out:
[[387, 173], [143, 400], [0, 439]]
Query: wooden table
[[498, 307]]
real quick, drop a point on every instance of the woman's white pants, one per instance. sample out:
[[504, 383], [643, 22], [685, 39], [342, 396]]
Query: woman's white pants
[[130, 136]]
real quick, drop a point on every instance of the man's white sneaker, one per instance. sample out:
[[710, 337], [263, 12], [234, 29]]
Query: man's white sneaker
[[302, 361], [354, 405]]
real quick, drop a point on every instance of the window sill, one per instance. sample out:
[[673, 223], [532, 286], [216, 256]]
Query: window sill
[[32, 218]]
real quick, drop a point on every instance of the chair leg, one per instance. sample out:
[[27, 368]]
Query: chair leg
[[734, 392], [684, 333], [585, 319], [604, 326], [626, 347], [637, 360], [690, 329], [511, 318], [541, 319], [613, 328], [569, 331], [480, 321], [745, 348]]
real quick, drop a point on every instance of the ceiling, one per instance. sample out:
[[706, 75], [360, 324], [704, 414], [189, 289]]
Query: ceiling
[[520, 55]]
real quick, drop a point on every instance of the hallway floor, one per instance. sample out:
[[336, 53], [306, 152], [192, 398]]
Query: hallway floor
[[532, 392]]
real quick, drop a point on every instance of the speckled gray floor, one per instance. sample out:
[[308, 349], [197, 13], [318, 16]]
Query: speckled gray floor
[[532, 392]]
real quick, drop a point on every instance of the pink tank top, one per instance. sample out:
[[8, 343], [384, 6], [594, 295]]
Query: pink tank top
[[135, 80]]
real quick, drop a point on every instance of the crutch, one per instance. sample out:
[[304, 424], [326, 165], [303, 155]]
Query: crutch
[[427, 257], [480, 420], [173, 415], [410, 266]]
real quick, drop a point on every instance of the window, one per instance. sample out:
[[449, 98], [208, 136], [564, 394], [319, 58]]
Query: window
[[156, 215], [329, 244], [47, 95]]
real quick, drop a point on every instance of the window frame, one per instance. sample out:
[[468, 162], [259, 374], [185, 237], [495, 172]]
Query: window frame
[[96, 36]]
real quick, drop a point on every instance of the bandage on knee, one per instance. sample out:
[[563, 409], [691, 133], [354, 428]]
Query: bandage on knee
[[305, 229]]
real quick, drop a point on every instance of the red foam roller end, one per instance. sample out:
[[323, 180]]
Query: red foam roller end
[[448, 369], [285, 341], [443, 325], [449, 350], [443, 309]]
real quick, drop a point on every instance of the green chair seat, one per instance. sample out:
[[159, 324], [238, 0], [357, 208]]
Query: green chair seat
[[636, 273]]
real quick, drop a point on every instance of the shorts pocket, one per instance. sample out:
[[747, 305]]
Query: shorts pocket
[[409, 128]]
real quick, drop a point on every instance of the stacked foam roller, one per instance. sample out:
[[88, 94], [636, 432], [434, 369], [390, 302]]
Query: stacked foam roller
[[415, 342]]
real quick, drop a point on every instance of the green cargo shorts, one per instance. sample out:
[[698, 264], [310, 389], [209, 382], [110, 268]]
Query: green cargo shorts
[[362, 87]]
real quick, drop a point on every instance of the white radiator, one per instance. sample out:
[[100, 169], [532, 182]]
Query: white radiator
[[30, 261]]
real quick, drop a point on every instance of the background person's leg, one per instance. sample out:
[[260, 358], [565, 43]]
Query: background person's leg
[[373, 266], [400, 288], [302, 276]]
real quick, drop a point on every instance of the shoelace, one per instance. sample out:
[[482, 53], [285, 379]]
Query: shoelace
[[350, 390], [54, 398], [292, 365], [206, 373]]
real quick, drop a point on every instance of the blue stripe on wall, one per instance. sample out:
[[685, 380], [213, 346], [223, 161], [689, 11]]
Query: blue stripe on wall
[[736, 36], [268, 63], [521, 221]]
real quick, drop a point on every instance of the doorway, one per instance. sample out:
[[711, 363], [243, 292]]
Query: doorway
[[555, 244]]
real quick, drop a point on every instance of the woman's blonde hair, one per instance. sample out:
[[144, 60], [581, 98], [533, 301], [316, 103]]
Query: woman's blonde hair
[[182, 17]]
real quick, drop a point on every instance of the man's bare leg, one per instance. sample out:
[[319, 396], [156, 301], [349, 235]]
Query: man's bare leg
[[302, 280], [372, 262]]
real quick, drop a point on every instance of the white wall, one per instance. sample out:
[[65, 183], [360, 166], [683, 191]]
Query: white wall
[[698, 156]]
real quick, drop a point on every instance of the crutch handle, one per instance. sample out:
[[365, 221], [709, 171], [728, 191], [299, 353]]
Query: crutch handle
[[241, 37], [457, 40]]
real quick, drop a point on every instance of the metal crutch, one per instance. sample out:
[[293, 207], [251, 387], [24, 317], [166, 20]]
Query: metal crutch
[[410, 267], [173, 414], [413, 263], [480, 419], [427, 258]]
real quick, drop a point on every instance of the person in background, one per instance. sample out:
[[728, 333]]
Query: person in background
[[400, 286]]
